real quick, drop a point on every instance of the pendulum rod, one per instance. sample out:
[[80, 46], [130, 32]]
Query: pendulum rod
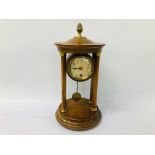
[[77, 87], [76, 96]]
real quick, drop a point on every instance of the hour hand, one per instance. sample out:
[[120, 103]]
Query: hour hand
[[80, 68]]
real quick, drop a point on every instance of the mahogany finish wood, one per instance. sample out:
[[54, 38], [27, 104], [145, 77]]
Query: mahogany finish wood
[[78, 115], [94, 81], [63, 81]]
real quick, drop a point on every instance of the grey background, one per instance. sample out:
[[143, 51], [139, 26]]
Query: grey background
[[30, 88]]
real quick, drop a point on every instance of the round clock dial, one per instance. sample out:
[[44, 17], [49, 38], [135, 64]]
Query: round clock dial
[[80, 67]]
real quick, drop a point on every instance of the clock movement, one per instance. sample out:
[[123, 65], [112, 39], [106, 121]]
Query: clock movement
[[77, 112]]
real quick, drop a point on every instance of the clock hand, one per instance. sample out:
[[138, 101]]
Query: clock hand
[[80, 68]]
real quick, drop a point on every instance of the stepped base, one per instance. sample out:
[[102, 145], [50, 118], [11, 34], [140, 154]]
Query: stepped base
[[78, 115]]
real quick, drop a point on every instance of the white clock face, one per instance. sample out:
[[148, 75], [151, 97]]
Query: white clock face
[[80, 68]]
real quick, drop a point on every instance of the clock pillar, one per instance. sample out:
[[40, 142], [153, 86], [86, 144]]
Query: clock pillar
[[94, 82], [63, 81]]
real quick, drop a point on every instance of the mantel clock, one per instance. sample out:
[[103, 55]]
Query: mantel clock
[[77, 112]]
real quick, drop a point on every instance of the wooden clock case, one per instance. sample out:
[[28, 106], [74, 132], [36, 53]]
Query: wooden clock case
[[83, 114]]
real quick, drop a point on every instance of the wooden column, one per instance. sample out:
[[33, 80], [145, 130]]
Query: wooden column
[[63, 81], [92, 79], [94, 82]]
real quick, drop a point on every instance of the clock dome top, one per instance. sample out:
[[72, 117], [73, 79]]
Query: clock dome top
[[79, 42]]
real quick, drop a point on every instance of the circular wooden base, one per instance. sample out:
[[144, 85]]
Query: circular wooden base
[[78, 115]]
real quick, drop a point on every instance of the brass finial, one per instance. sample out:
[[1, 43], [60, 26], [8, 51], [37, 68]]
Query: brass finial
[[79, 29]]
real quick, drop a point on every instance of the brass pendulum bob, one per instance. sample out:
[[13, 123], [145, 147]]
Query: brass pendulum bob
[[76, 96]]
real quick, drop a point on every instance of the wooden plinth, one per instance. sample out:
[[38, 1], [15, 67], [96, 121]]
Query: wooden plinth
[[78, 115]]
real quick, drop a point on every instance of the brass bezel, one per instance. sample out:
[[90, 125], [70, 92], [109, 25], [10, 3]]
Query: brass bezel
[[72, 58]]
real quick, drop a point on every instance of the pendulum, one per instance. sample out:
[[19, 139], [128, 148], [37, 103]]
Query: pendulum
[[76, 96]]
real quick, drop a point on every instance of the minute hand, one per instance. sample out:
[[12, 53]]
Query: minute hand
[[80, 68]]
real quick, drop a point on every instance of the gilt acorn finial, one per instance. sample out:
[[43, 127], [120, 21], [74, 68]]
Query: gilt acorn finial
[[79, 29]]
